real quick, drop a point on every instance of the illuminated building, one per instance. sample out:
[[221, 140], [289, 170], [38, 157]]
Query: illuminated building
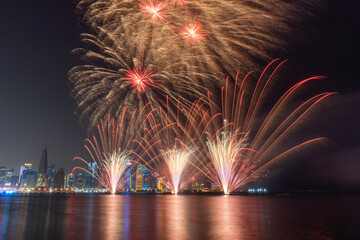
[[215, 188], [9, 178], [50, 175], [26, 166], [153, 178], [70, 181], [80, 181], [139, 177], [160, 185], [145, 185], [28, 179], [42, 180], [2, 176], [195, 186], [90, 181], [128, 179], [59, 179]]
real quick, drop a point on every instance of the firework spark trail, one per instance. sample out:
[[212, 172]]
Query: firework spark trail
[[224, 36], [169, 145], [176, 161], [225, 151], [156, 10], [240, 142], [113, 147], [239, 34], [120, 80]]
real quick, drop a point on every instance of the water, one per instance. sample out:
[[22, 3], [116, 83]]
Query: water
[[179, 217]]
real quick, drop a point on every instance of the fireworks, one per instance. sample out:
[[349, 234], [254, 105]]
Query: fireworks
[[166, 151], [114, 151], [224, 151], [155, 10], [241, 142], [140, 79], [193, 32], [121, 81], [137, 57], [229, 34], [176, 161]]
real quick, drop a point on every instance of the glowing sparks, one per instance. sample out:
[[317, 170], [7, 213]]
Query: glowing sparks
[[238, 35], [140, 79], [181, 3], [154, 9], [113, 169], [194, 32], [224, 152], [243, 141], [111, 149], [176, 161]]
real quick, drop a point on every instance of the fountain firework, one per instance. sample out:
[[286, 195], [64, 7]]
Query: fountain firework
[[241, 142], [111, 150], [166, 151]]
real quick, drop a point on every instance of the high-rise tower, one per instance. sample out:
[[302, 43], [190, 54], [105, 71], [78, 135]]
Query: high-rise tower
[[42, 180]]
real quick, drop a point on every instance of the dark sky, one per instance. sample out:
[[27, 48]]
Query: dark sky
[[36, 38]]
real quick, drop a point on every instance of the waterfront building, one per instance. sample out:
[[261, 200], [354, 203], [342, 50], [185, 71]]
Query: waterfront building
[[14, 181], [28, 179], [9, 178], [90, 181], [215, 188], [27, 166], [139, 177], [128, 179], [2, 176], [197, 187], [160, 185], [80, 181], [153, 179], [133, 178], [145, 184], [50, 176], [59, 179], [42, 179], [70, 181]]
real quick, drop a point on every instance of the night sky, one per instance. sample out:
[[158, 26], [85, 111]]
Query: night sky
[[37, 110]]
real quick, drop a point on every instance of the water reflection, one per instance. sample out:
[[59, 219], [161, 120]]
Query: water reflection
[[178, 217], [113, 222]]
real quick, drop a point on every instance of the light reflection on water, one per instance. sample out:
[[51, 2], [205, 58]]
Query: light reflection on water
[[178, 217]]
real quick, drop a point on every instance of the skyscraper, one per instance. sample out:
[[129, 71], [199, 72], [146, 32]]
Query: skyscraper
[[70, 181], [9, 178], [50, 175], [79, 181], [28, 179], [145, 185], [59, 179], [26, 166], [139, 177], [2, 176], [90, 181], [42, 181], [128, 176]]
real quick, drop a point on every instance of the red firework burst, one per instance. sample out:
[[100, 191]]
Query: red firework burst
[[154, 9], [194, 32], [140, 79]]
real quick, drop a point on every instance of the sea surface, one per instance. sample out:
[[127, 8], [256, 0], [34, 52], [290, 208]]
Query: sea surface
[[179, 217]]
